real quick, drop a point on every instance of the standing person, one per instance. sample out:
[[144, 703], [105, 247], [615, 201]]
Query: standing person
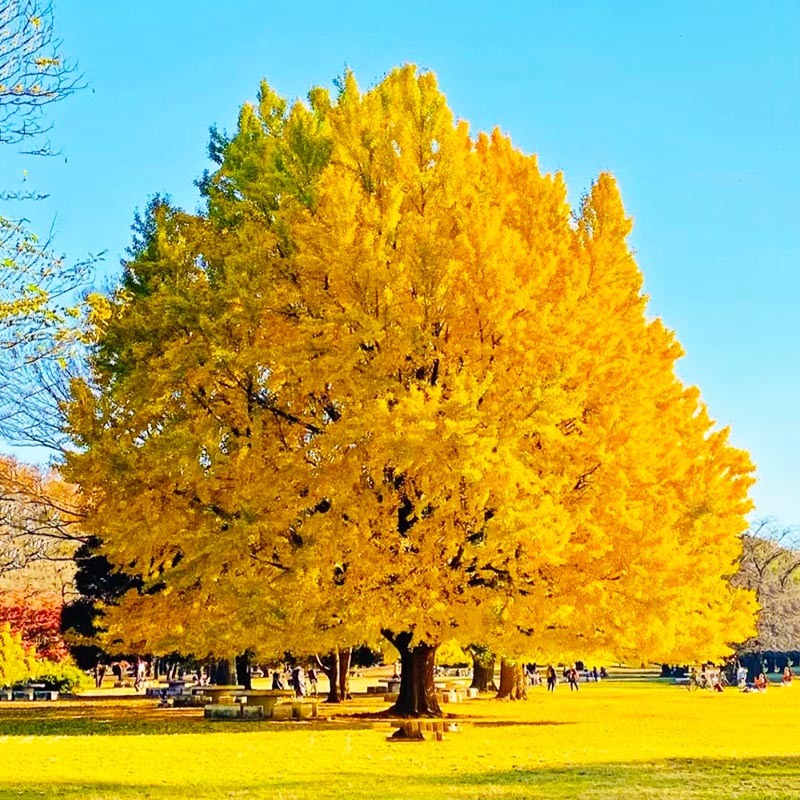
[[277, 681], [312, 679], [138, 673], [551, 678], [298, 682], [572, 677], [99, 674]]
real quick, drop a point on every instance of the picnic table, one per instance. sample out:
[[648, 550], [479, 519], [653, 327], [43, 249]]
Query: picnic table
[[216, 691]]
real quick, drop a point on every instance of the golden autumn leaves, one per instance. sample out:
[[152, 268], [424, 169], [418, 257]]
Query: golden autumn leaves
[[388, 382]]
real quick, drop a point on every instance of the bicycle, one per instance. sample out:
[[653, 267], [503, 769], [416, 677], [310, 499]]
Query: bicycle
[[706, 681], [701, 681]]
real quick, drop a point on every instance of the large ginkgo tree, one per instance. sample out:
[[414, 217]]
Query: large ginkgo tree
[[389, 383]]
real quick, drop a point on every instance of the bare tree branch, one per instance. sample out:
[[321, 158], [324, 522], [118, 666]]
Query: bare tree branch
[[33, 73]]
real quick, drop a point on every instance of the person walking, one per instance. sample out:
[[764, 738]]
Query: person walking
[[139, 673], [551, 678], [572, 677], [298, 682]]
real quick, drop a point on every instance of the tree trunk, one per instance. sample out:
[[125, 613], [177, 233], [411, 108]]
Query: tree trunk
[[483, 675], [243, 677], [417, 697], [344, 673], [223, 672], [329, 664], [512, 681]]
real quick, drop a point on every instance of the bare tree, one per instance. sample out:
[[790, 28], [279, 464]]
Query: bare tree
[[39, 347], [770, 565], [39, 517]]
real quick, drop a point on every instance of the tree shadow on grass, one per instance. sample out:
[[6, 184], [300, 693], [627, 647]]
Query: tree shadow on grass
[[115, 718], [673, 779], [677, 779]]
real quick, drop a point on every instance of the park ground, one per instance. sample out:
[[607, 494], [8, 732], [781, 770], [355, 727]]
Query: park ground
[[616, 739]]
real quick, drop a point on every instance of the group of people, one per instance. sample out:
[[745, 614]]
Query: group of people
[[571, 675], [120, 670], [297, 680], [760, 683]]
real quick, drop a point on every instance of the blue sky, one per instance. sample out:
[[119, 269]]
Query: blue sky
[[695, 107]]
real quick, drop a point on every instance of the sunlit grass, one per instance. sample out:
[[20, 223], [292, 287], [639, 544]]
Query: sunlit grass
[[609, 740]]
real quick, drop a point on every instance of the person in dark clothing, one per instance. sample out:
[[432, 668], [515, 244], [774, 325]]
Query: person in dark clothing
[[572, 677], [277, 681], [551, 678], [298, 682], [312, 679]]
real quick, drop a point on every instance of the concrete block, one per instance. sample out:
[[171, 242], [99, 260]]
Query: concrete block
[[303, 709], [252, 712], [282, 711], [223, 711]]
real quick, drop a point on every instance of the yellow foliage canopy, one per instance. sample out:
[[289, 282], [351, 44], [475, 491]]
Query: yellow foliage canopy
[[388, 382]]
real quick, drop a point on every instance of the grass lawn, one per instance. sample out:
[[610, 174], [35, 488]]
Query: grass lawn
[[610, 740]]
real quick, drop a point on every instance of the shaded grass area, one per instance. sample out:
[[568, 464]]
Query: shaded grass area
[[697, 779], [608, 741], [129, 718]]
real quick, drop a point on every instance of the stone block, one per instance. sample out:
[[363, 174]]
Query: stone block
[[223, 711], [303, 709], [282, 711]]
